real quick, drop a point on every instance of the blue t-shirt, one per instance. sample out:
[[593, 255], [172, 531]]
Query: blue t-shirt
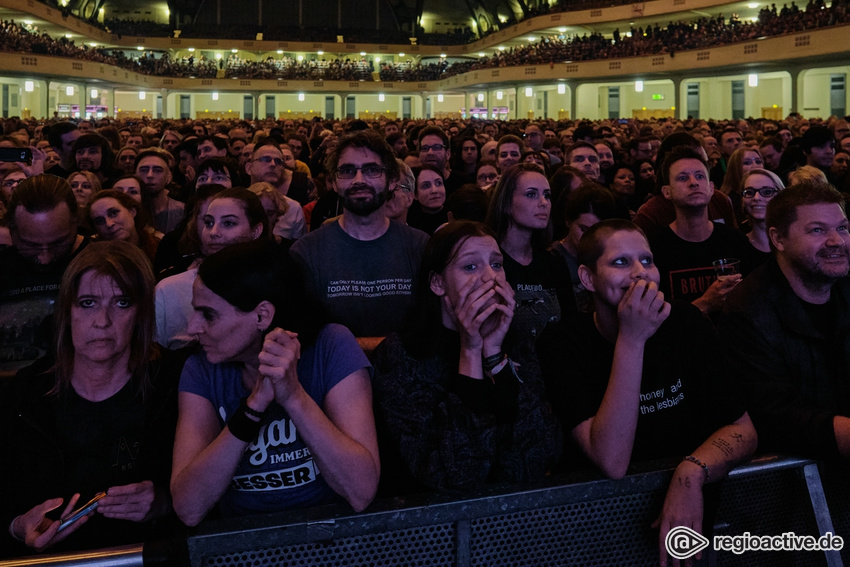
[[277, 471]]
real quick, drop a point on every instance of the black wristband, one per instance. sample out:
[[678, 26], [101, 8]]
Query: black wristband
[[243, 427], [493, 360], [252, 412]]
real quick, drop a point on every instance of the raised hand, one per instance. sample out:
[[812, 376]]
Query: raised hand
[[715, 296], [642, 310]]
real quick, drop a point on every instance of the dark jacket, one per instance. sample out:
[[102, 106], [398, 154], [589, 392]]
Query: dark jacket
[[35, 466], [796, 378], [451, 431]]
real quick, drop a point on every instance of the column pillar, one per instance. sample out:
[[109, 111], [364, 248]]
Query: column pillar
[[677, 98], [83, 97], [795, 84], [573, 99], [164, 94], [48, 112]]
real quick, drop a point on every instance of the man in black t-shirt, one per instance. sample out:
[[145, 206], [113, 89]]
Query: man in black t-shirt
[[684, 250], [43, 225]]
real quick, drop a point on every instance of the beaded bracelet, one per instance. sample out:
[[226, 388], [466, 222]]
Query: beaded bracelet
[[694, 460]]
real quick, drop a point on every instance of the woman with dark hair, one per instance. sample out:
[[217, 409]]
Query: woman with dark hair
[[428, 211], [125, 160], [577, 213], [129, 184], [454, 410], [180, 248], [232, 215], [486, 174], [565, 180], [84, 184], [540, 158], [101, 419], [465, 156], [520, 215], [116, 216], [273, 415], [622, 187], [645, 180]]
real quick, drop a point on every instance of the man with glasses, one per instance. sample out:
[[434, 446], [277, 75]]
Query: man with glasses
[[534, 139], [268, 165], [434, 151], [362, 268], [43, 225]]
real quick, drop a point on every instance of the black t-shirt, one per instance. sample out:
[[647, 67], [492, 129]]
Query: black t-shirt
[[542, 290], [685, 394], [456, 180], [101, 441], [28, 294], [686, 267], [426, 222]]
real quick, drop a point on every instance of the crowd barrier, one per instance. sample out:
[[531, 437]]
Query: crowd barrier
[[579, 520]]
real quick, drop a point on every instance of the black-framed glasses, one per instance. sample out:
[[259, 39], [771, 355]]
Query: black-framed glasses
[[432, 148], [370, 170], [269, 159], [766, 192]]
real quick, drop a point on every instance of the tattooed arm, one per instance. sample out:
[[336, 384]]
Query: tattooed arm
[[724, 450]]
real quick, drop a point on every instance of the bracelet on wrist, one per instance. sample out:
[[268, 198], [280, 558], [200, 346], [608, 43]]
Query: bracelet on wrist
[[492, 361], [243, 427], [705, 469]]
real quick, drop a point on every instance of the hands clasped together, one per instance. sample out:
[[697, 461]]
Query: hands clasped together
[[278, 370]]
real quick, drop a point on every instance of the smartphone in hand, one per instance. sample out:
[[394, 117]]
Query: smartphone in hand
[[80, 512]]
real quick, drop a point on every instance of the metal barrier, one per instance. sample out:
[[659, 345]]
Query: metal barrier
[[579, 520], [125, 556]]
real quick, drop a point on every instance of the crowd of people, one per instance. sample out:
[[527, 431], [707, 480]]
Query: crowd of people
[[675, 37], [206, 319], [291, 68]]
